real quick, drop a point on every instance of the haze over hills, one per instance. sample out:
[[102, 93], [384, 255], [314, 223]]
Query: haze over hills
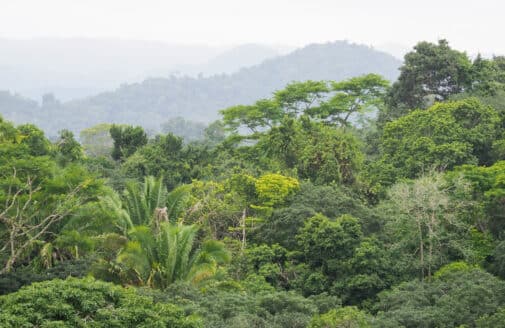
[[236, 58], [155, 100], [80, 67], [398, 50]]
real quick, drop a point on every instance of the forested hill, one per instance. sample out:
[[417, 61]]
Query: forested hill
[[158, 99]]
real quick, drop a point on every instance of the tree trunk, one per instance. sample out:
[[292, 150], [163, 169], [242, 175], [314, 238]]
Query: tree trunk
[[244, 215], [421, 248]]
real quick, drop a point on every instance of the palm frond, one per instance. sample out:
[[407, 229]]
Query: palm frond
[[177, 202], [186, 238], [112, 204]]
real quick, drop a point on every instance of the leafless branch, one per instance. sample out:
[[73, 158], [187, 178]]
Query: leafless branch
[[18, 217]]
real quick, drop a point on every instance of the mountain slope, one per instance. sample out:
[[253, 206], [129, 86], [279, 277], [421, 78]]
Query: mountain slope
[[79, 67], [156, 100], [238, 57]]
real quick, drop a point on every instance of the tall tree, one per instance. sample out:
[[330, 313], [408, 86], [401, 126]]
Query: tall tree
[[28, 221], [300, 97], [96, 140], [37, 196], [425, 223], [69, 150], [351, 97], [127, 139], [431, 72], [488, 75], [441, 137], [263, 114]]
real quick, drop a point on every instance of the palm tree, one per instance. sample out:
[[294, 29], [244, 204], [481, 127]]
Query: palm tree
[[158, 259], [159, 251], [141, 202], [142, 199]]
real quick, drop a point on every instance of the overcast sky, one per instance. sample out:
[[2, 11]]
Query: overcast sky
[[475, 26]]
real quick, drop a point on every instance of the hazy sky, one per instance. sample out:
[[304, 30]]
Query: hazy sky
[[469, 25]]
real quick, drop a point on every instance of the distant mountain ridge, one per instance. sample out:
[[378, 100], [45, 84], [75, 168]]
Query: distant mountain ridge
[[234, 59], [78, 67], [155, 100], [74, 68]]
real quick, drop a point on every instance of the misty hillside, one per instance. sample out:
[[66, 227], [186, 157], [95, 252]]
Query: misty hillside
[[79, 67], [238, 57], [156, 100]]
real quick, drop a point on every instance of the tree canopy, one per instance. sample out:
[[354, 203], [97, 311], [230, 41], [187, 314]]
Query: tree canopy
[[326, 203]]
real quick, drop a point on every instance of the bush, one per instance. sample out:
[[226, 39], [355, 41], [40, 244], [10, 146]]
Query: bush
[[346, 317], [14, 280], [87, 303]]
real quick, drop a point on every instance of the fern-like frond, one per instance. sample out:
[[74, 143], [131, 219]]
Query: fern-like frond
[[177, 202]]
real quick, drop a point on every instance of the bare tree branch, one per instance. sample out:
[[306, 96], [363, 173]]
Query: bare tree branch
[[19, 218]]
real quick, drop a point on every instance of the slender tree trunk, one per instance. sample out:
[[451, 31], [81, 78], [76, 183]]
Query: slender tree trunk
[[421, 248], [11, 261], [431, 236], [244, 215], [12, 258], [430, 257]]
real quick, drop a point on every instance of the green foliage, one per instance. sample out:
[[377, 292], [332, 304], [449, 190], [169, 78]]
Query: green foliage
[[488, 75], [127, 139], [40, 196], [142, 200], [166, 156], [430, 70], [158, 252], [459, 296], [337, 103], [318, 152], [451, 268], [214, 133], [348, 317], [277, 216], [267, 262], [426, 226], [490, 321], [487, 189], [330, 155], [213, 207], [341, 260], [96, 140], [323, 241], [146, 203], [368, 272], [497, 259], [34, 139], [272, 189], [442, 137], [262, 114], [236, 304], [160, 257], [21, 276], [87, 303], [69, 150], [356, 96], [331, 201], [299, 97]]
